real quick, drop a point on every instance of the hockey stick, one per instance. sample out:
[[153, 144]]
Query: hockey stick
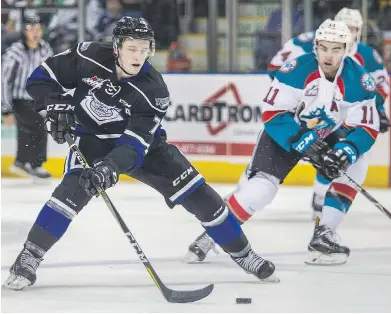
[[358, 188], [366, 194], [170, 295]]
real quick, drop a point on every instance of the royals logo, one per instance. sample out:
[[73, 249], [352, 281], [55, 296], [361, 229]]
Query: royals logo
[[100, 104], [100, 112]]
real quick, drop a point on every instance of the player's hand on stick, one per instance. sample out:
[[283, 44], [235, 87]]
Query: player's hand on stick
[[60, 117], [339, 158], [309, 145], [103, 175]]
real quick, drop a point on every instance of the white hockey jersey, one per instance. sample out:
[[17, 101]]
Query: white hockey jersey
[[300, 96], [363, 54]]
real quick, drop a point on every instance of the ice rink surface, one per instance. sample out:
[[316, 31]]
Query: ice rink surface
[[95, 269]]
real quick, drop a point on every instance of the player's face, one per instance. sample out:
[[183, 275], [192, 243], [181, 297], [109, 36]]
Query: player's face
[[330, 56], [354, 32], [133, 54], [33, 33]]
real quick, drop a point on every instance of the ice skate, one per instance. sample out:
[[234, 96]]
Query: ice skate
[[23, 271], [199, 249], [324, 248], [253, 264]]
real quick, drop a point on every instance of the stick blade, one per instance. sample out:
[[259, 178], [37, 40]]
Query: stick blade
[[175, 296]]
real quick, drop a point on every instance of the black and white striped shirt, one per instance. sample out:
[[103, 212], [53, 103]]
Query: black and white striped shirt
[[17, 64]]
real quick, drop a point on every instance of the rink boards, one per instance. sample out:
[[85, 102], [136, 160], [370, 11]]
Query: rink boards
[[219, 139]]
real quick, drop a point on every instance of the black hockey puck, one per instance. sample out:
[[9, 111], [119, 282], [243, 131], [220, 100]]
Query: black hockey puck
[[243, 300]]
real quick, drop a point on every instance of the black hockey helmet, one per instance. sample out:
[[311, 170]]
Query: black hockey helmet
[[133, 27], [31, 19]]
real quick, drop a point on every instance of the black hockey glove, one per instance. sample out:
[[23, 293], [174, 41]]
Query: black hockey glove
[[104, 175], [60, 116], [339, 158], [384, 122], [309, 145]]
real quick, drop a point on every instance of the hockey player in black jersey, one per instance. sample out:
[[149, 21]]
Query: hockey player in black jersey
[[115, 112]]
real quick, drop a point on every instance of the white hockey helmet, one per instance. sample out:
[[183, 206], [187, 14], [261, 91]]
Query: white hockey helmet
[[336, 32], [352, 18]]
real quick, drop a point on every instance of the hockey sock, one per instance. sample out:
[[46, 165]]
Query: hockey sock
[[338, 200], [226, 232], [321, 185], [50, 225], [238, 211]]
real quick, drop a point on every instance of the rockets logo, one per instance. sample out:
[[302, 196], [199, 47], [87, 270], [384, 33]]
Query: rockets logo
[[367, 82], [288, 66]]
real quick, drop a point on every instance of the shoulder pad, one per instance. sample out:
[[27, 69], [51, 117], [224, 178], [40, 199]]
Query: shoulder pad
[[372, 59], [305, 41], [99, 53], [296, 72], [358, 83]]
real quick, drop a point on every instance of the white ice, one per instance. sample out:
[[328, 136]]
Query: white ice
[[94, 268]]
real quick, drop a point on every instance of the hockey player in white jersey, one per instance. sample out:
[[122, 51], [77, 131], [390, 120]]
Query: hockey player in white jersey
[[364, 55], [370, 59], [321, 106]]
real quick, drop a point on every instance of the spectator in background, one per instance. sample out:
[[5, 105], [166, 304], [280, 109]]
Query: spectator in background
[[132, 8], [63, 27], [14, 22], [163, 15], [8, 34], [108, 19]]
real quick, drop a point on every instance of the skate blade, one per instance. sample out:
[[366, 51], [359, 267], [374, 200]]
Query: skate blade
[[19, 172], [320, 259], [191, 258], [15, 282], [271, 279], [41, 181]]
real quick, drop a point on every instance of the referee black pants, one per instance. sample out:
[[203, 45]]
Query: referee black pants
[[32, 137]]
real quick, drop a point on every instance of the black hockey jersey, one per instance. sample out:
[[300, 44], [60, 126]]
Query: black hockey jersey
[[128, 110]]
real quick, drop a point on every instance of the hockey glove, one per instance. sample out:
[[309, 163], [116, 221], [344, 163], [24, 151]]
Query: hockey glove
[[337, 159], [60, 117], [309, 145], [384, 122], [103, 175]]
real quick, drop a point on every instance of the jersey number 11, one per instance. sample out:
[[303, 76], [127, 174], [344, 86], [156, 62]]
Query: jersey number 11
[[270, 100]]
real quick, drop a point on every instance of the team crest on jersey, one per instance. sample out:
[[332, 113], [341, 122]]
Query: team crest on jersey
[[162, 102], [377, 57], [318, 120], [288, 66], [100, 112], [367, 82]]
